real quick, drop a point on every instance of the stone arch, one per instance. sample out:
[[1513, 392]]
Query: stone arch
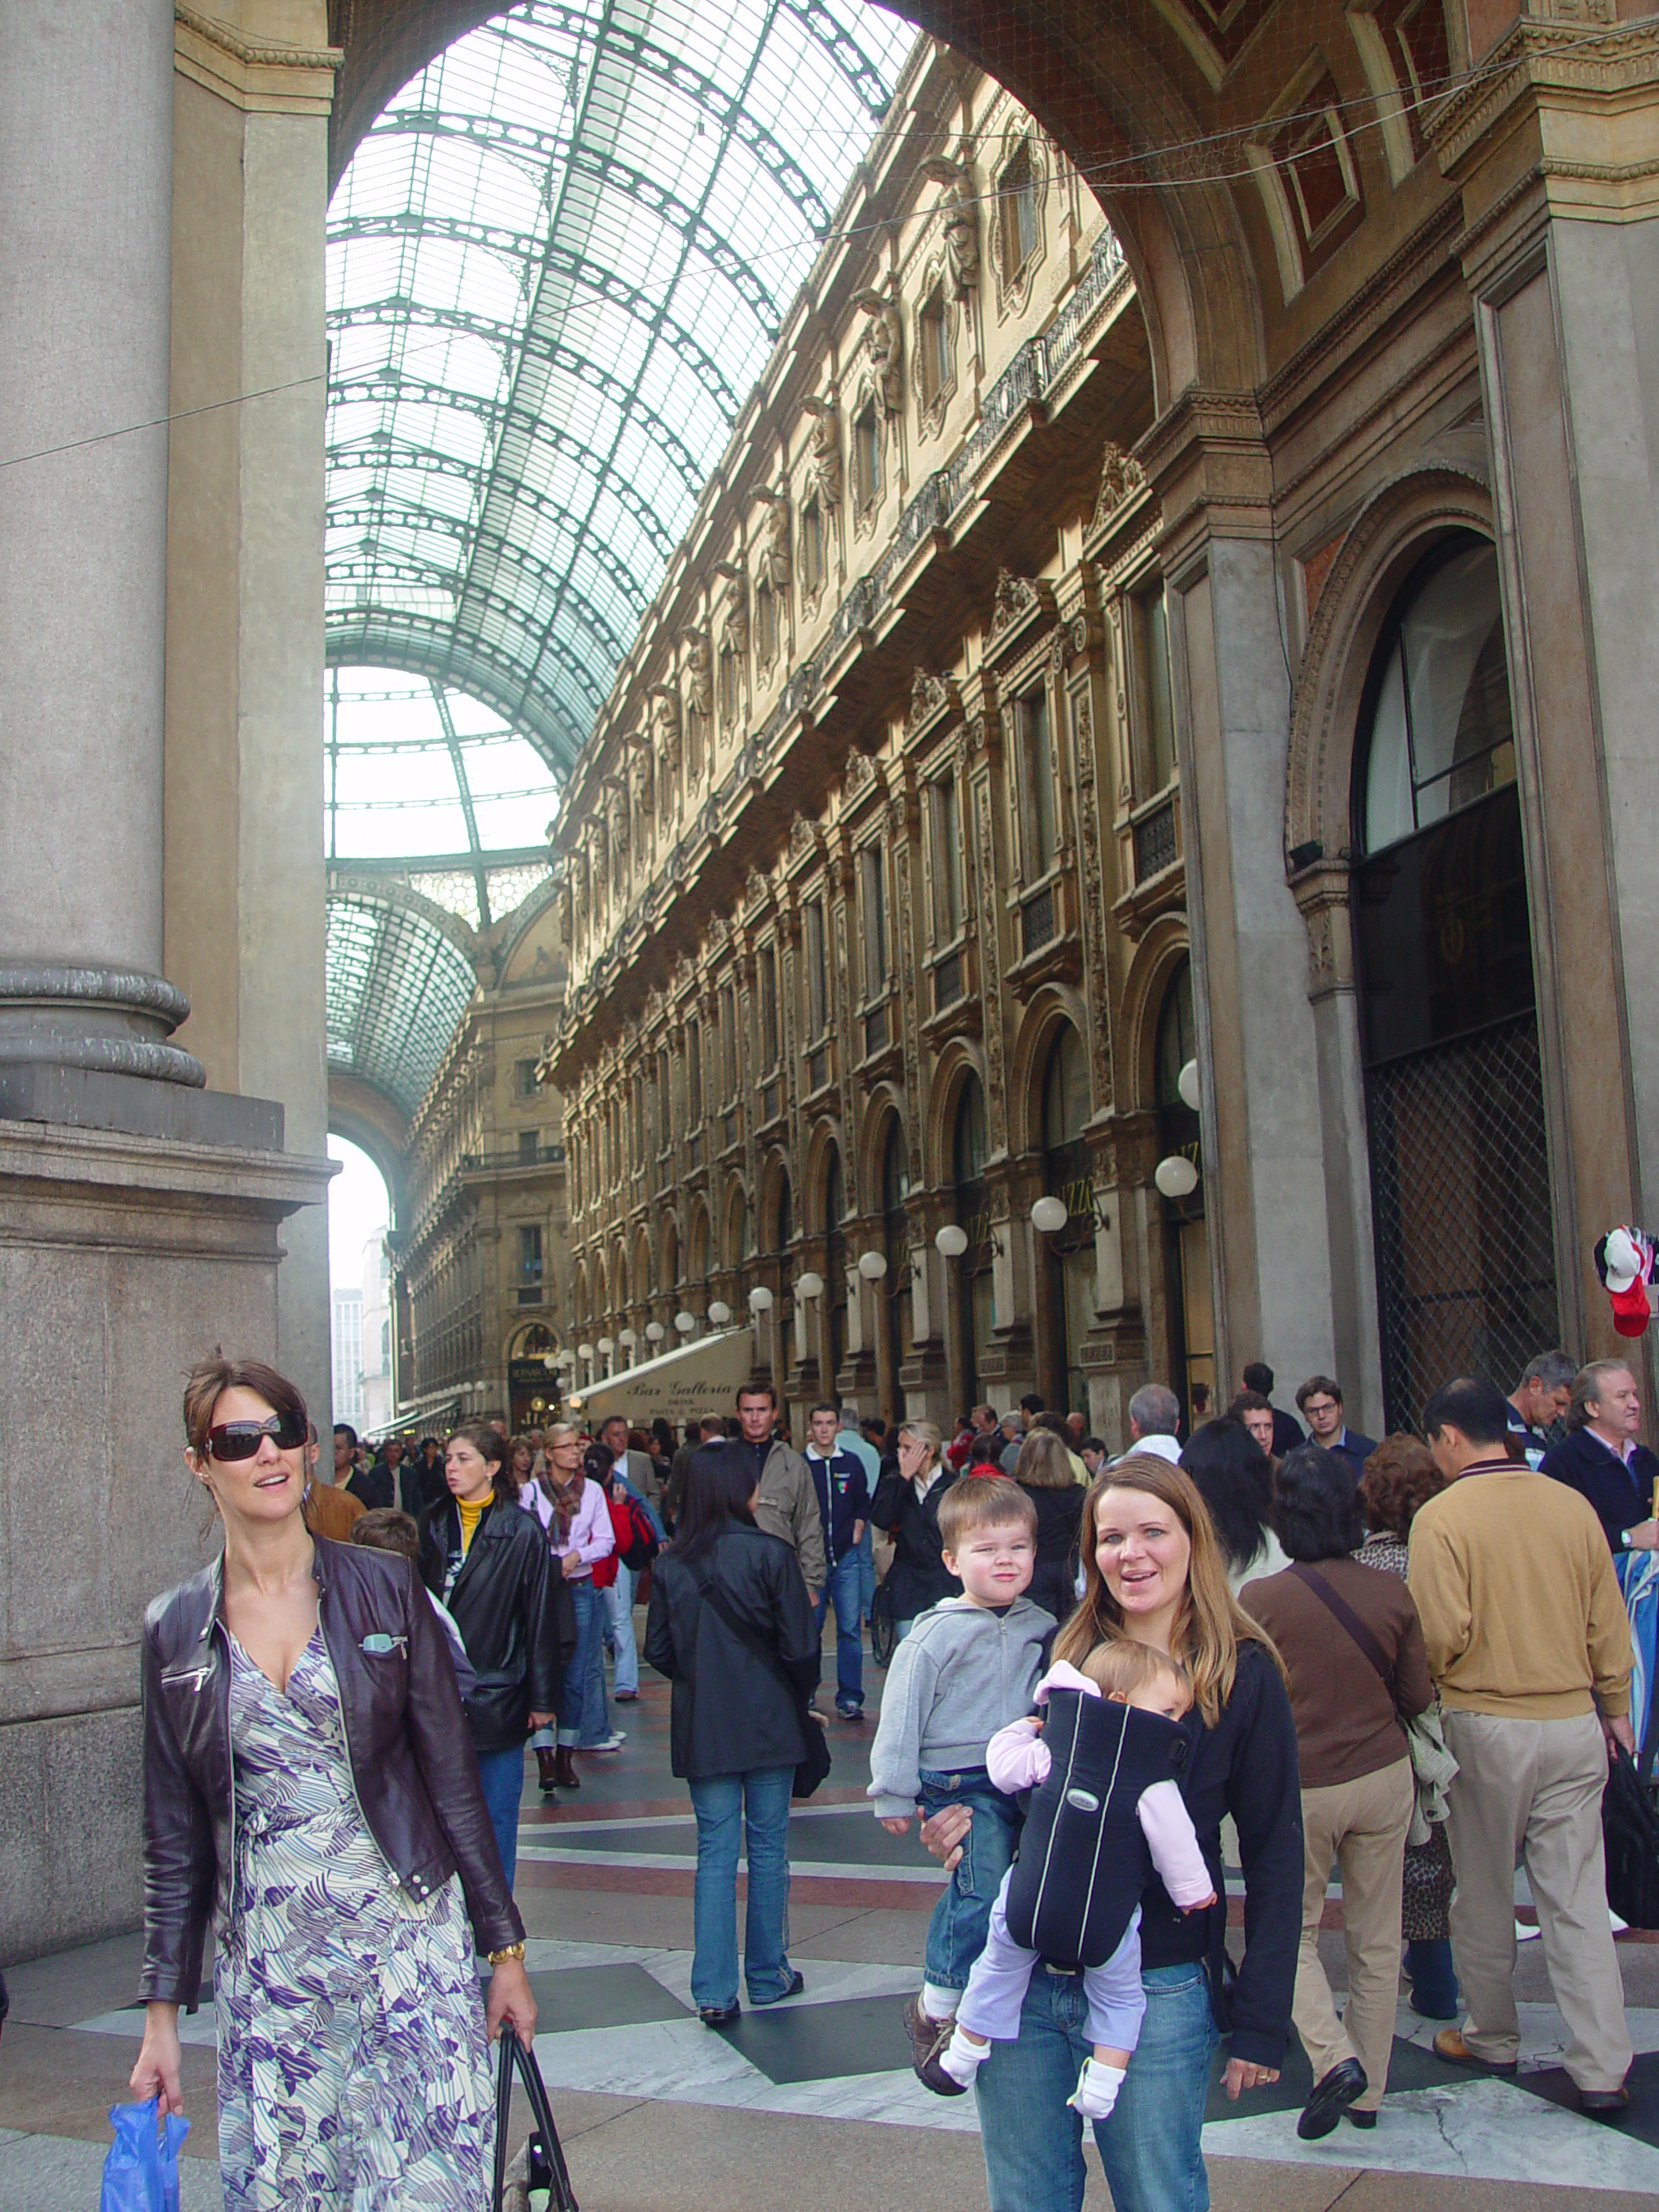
[[956, 1062], [367, 1117], [619, 1277], [731, 1235], [887, 1101], [700, 1243], [579, 1309], [1054, 1004], [669, 1241], [1392, 532], [826, 1135], [775, 1177], [601, 1304], [644, 1263], [1157, 956]]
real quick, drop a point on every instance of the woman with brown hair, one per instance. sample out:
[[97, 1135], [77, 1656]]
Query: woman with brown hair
[[485, 1561], [1400, 1476], [1044, 1472], [572, 1509], [1154, 1574], [308, 1784]]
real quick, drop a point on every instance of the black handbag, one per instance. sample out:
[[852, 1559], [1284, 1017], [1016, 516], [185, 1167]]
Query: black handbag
[[815, 1766], [546, 2161], [1630, 1830]]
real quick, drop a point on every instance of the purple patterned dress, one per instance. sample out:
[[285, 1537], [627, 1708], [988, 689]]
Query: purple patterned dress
[[354, 2070]]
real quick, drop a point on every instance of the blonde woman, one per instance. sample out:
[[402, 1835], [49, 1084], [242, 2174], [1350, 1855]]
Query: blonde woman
[[571, 1507], [906, 1504], [1155, 1575]]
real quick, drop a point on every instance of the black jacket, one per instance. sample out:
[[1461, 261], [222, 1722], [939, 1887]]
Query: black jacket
[[732, 1710], [1059, 1516], [413, 1768], [514, 1612], [374, 1486], [1621, 1496], [918, 1577], [1245, 1766], [1287, 1433]]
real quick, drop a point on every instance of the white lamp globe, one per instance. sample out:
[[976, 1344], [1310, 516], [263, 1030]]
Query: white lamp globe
[[951, 1241], [1049, 1214], [550, 1360], [810, 1286], [628, 1336], [655, 1332], [1176, 1177], [720, 1312], [872, 1266], [1187, 1083], [607, 1346], [584, 1351], [685, 1323], [759, 1299]]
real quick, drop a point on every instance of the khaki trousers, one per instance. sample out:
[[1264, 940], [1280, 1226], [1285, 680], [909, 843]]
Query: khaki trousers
[[1532, 1789], [1361, 1826]]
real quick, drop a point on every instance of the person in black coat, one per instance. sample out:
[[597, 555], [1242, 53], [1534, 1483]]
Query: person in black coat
[[1600, 1458], [906, 1504], [1043, 1470], [487, 1559], [731, 1626]]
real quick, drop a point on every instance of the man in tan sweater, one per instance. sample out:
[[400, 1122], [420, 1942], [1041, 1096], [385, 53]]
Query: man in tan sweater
[[1527, 1636]]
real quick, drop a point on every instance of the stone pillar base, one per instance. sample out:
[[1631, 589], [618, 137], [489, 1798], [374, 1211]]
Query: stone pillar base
[[123, 1260]]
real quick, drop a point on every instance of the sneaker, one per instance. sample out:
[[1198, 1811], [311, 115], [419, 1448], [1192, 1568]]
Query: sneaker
[[928, 2038], [1526, 1931], [614, 1741]]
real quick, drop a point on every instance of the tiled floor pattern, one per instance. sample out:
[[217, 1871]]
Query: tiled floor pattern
[[618, 2039]]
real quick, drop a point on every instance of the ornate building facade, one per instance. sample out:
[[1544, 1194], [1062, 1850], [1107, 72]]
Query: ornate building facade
[[873, 870]]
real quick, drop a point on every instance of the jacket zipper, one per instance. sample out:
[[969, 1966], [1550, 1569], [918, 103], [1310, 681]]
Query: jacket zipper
[[230, 1761]]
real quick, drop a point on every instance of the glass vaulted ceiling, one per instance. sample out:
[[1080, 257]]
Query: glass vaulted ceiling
[[556, 266]]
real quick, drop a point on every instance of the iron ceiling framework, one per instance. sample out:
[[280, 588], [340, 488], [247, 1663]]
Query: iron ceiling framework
[[556, 266]]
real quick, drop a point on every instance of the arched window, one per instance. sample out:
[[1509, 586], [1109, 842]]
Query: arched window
[[977, 1305], [1068, 1254], [700, 1246], [1448, 1026]]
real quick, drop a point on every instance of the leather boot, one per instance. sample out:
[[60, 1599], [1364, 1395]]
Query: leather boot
[[564, 1771], [546, 1767]]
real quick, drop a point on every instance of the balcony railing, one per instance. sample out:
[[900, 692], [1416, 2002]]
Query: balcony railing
[[496, 1163]]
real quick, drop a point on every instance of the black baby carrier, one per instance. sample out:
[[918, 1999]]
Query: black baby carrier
[[1084, 1861]]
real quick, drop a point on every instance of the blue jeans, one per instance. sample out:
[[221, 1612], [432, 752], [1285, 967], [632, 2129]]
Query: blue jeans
[[577, 1725], [758, 1803], [962, 1918], [845, 1588], [619, 1608], [1151, 2145], [865, 1554], [502, 1774]]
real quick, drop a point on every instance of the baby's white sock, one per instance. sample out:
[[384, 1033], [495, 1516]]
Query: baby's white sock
[[1097, 2088], [939, 2004], [962, 2059]]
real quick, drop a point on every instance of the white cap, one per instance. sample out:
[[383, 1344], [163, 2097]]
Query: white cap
[[1622, 1265]]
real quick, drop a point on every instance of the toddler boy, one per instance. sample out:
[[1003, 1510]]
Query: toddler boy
[[968, 1668]]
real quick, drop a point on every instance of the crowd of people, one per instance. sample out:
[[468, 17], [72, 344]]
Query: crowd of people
[[1116, 1678]]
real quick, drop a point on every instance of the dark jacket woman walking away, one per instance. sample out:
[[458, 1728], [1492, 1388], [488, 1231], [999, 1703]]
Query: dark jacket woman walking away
[[1353, 1649], [309, 1785], [1044, 1472], [488, 1563], [731, 1626]]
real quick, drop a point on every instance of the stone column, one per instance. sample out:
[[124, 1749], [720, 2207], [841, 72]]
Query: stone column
[[1554, 149], [1264, 1167], [87, 184]]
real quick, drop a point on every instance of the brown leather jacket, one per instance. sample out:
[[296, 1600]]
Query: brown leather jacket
[[413, 1765]]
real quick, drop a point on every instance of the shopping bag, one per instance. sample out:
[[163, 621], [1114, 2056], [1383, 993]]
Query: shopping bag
[[1630, 1829], [141, 2170], [545, 2166]]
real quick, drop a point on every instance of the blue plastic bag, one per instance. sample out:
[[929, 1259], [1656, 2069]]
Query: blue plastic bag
[[141, 2172]]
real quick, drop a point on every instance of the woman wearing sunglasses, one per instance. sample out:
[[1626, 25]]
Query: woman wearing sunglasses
[[310, 1783]]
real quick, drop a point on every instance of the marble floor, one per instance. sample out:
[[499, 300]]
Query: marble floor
[[658, 2112]]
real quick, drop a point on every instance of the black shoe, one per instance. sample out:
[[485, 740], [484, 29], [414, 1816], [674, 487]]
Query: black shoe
[[718, 2015], [928, 2037], [1600, 2103], [1333, 2095], [1362, 2118]]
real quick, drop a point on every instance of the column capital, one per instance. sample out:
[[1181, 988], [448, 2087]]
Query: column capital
[[1206, 457], [1560, 119]]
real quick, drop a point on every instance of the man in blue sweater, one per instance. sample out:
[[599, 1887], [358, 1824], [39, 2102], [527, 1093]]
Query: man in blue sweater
[[1601, 1460], [843, 1491]]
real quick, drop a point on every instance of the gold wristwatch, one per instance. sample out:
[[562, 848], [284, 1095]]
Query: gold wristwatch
[[512, 1951]]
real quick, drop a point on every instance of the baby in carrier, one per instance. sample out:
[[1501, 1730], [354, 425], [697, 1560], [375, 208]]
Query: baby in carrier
[[1106, 1809]]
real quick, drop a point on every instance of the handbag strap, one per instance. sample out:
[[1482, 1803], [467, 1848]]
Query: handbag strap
[[513, 2054], [1339, 1606], [740, 1628]]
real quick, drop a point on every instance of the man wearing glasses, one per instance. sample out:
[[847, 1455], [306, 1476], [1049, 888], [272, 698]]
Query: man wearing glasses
[[1319, 1403]]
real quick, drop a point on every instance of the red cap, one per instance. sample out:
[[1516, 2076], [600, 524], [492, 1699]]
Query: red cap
[[1630, 1310]]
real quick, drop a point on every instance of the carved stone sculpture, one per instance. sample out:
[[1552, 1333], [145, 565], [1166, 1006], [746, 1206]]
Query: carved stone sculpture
[[1121, 477], [700, 670], [665, 721], [886, 351], [825, 463], [776, 549]]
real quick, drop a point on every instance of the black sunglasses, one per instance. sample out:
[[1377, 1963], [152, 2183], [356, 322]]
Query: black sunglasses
[[240, 1439]]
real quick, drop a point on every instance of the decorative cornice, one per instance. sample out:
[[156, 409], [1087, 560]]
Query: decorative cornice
[[258, 75], [1596, 58], [256, 56]]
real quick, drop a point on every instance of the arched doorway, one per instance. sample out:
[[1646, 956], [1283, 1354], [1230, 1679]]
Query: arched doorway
[[834, 1269], [976, 1289], [1460, 1205], [1068, 1271], [892, 1292], [1188, 1299]]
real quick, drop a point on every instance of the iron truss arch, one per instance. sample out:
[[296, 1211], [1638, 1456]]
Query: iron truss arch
[[555, 263]]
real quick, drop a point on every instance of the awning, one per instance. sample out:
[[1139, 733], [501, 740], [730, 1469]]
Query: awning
[[701, 1377]]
